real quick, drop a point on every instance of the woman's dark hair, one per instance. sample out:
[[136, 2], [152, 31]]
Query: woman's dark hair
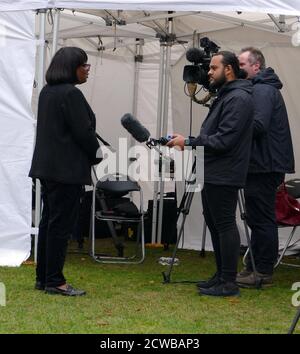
[[231, 59], [62, 69]]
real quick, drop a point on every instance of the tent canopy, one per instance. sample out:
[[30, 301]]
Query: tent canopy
[[287, 7]]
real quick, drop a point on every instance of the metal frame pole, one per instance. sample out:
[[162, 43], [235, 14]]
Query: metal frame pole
[[40, 83], [164, 123], [138, 59], [158, 133], [55, 32]]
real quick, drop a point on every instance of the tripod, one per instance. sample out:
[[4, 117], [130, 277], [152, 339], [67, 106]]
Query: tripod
[[184, 209]]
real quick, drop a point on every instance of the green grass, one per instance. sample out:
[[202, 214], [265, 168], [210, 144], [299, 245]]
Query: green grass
[[132, 299]]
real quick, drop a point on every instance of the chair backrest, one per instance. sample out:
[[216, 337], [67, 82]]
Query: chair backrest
[[293, 187], [287, 208]]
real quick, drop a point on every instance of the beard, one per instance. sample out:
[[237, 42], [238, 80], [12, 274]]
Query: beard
[[218, 83]]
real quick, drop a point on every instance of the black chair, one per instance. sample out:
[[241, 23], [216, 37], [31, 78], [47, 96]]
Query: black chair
[[116, 186]]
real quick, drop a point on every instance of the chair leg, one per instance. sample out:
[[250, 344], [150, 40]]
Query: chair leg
[[285, 247], [118, 245], [120, 258]]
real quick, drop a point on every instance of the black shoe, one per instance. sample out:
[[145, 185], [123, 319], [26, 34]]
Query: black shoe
[[222, 289], [209, 283], [69, 291], [39, 285]]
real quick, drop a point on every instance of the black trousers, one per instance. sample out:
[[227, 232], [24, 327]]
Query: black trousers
[[60, 211], [219, 209], [260, 194]]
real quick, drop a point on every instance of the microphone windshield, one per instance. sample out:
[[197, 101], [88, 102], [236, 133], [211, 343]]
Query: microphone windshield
[[195, 55], [135, 128]]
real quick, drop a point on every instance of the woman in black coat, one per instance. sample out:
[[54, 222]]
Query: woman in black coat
[[66, 148]]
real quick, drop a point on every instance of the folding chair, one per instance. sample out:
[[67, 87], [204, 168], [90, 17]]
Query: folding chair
[[293, 188], [117, 187]]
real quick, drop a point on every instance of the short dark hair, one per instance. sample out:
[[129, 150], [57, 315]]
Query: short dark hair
[[229, 58], [62, 69], [256, 56]]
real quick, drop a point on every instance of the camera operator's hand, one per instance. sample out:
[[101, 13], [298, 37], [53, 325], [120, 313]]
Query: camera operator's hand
[[177, 140]]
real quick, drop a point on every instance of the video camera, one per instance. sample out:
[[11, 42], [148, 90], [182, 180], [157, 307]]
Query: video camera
[[198, 72]]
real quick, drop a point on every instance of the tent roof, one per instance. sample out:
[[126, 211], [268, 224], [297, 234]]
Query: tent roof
[[150, 25], [286, 7]]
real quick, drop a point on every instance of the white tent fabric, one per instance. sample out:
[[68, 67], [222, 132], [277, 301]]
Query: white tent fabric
[[17, 67], [286, 7]]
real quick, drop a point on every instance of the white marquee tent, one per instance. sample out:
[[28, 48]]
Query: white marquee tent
[[118, 83]]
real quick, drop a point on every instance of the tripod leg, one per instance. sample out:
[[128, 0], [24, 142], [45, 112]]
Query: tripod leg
[[241, 203], [167, 274], [295, 321]]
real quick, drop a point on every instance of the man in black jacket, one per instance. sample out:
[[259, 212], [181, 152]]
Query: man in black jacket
[[271, 157], [226, 135]]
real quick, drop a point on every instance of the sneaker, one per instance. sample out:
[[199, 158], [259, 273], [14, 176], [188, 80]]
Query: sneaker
[[250, 281], [222, 289], [205, 284], [69, 291]]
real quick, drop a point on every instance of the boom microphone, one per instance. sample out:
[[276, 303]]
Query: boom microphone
[[135, 128], [195, 55]]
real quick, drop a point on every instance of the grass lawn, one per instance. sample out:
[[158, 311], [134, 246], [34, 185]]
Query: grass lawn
[[132, 299]]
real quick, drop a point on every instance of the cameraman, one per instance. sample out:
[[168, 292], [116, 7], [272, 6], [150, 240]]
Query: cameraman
[[271, 157], [226, 135]]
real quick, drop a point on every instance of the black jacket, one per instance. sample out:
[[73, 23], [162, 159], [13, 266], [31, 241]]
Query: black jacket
[[272, 149], [226, 135], [66, 143]]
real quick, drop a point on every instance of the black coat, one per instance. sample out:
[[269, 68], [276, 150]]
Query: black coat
[[226, 135], [66, 143], [272, 149]]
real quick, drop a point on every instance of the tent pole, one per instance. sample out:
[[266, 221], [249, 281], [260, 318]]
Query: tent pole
[[169, 42], [55, 32], [158, 134], [138, 58], [40, 83]]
